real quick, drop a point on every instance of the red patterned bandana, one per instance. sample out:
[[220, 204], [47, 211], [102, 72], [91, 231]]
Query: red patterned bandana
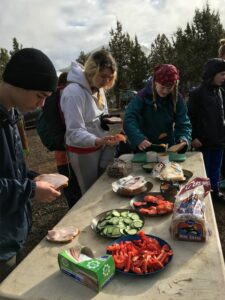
[[166, 75]]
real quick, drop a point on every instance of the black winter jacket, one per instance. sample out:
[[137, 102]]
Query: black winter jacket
[[206, 111], [16, 187]]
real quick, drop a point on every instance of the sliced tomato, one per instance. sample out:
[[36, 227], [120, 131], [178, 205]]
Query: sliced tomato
[[139, 203], [151, 198]]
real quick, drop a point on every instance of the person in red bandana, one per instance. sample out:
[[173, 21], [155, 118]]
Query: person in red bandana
[[158, 114]]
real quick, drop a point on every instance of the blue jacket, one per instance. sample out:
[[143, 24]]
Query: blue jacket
[[141, 121], [16, 188]]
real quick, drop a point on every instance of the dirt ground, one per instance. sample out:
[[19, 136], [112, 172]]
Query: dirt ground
[[45, 216]]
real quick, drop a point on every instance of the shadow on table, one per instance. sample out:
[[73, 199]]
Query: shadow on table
[[178, 269], [58, 286], [61, 286]]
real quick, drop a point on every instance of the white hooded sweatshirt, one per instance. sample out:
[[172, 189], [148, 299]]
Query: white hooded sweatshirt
[[80, 110], [82, 127]]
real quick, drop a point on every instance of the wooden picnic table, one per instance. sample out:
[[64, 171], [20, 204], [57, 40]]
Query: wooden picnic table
[[195, 272]]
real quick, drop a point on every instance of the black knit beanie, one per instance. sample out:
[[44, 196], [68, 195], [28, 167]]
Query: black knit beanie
[[31, 69], [212, 67]]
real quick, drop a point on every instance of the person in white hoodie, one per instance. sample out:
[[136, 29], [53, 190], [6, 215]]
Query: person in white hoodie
[[83, 104]]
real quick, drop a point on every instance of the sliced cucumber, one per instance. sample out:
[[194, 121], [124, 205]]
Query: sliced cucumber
[[127, 220], [115, 224], [109, 229], [137, 224], [105, 231], [134, 216], [132, 231], [103, 223], [124, 213], [116, 231], [122, 231], [115, 213], [121, 224], [114, 220]]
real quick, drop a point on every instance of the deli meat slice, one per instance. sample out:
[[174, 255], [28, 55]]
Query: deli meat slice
[[62, 234], [134, 183], [113, 120], [130, 185], [133, 186], [57, 180]]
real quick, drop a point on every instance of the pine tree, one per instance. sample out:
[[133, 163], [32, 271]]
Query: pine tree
[[16, 47], [137, 66], [5, 55], [4, 58], [82, 57], [197, 43], [161, 52], [120, 45]]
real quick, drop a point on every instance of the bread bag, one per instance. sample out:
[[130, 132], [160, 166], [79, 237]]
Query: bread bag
[[189, 219], [168, 172], [118, 168]]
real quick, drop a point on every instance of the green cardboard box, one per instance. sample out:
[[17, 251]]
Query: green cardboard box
[[92, 272]]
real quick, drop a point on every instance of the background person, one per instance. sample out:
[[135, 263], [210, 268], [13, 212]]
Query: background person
[[72, 191], [157, 109], [83, 104], [28, 78], [221, 53], [206, 110]]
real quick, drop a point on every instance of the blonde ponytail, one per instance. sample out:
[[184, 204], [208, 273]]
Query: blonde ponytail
[[221, 51]]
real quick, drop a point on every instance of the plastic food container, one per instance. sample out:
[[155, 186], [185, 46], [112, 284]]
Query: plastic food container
[[163, 157], [177, 157]]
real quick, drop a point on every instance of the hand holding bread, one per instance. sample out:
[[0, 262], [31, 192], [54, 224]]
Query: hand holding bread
[[58, 181], [48, 186]]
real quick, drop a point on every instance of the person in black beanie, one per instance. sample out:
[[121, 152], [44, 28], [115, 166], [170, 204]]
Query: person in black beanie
[[206, 107], [29, 77]]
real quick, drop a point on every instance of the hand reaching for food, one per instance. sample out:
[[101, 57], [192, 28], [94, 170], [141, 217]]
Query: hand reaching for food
[[144, 144], [182, 146], [196, 143], [119, 137], [111, 140], [162, 135]]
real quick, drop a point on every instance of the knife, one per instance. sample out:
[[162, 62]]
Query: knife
[[180, 148], [157, 148]]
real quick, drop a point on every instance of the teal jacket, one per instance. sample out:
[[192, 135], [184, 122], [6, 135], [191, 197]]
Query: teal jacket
[[141, 121]]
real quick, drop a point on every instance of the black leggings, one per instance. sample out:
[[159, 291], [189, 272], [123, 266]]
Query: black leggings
[[72, 192], [6, 266]]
